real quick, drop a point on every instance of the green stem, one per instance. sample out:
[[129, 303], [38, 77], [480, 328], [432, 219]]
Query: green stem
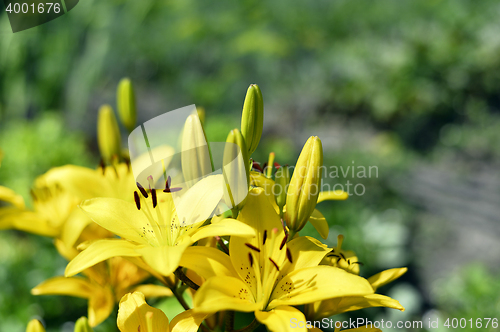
[[185, 279], [291, 234], [253, 325], [229, 321], [178, 296]]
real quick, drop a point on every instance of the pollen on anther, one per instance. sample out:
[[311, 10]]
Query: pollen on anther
[[142, 190], [251, 246], [153, 196], [289, 255], [284, 241], [265, 237], [251, 259], [137, 200], [274, 263]]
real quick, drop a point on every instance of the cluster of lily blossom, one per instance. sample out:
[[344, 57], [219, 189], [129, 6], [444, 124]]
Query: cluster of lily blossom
[[127, 241]]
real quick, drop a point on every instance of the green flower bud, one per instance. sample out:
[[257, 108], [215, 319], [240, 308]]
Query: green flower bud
[[108, 134], [236, 170], [195, 156], [282, 179], [125, 99], [252, 120], [35, 326], [82, 325], [303, 191]]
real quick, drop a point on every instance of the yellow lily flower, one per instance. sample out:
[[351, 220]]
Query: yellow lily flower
[[134, 314], [150, 228], [265, 274], [35, 326], [103, 284], [347, 260]]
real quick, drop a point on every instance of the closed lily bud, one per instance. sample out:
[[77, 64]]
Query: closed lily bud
[[125, 99], [252, 120], [195, 155], [201, 114], [108, 133], [282, 180], [35, 326], [303, 191], [82, 325], [236, 170]]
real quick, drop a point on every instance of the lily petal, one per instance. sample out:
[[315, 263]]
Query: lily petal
[[150, 290], [281, 319], [208, 262], [100, 251], [385, 277], [101, 304], [10, 196], [335, 195], [224, 293], [77, 287], [187, 321], [164, 259], [118, 216], [339, 305], [315, 284], [134, 314], [306, 252], [319, 222], [224, 227]]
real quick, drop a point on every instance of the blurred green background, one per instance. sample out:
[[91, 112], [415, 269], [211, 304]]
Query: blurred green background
[[411, 87]]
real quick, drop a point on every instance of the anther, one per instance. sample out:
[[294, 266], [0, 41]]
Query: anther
[[274, 263], [256, 165], [137, 200], [153, 196], [251, 246], [289, 255], [265, 237], [250, 258], [284, 241], [142, 190], [341, 254]]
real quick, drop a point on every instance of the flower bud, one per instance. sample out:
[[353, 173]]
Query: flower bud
[[108, 133], [195, 155], [82, 325], [236, 170], [282, 179], [125, 99], [303, 191], [35, 326], [201, 114], [252, 120]]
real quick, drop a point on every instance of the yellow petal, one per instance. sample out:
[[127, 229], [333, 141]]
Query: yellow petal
[[35, 326], [282, 318], [258, 179], [134, 314], [30, 222], [199, 202], [8, 195], [224, 293], [224, 227], [77, 287], [259, 213], [151, 290], [315, 284], [334, 195], [319, 222], [101, 304], [164, 259], [385, 277], [119, 217], [207, 262], [82, 325], [187, 321], [74, 226], [305, 252], [100, 251], [339, 305]]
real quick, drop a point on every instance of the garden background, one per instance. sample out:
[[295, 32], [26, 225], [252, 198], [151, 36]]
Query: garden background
[[411, 87]]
